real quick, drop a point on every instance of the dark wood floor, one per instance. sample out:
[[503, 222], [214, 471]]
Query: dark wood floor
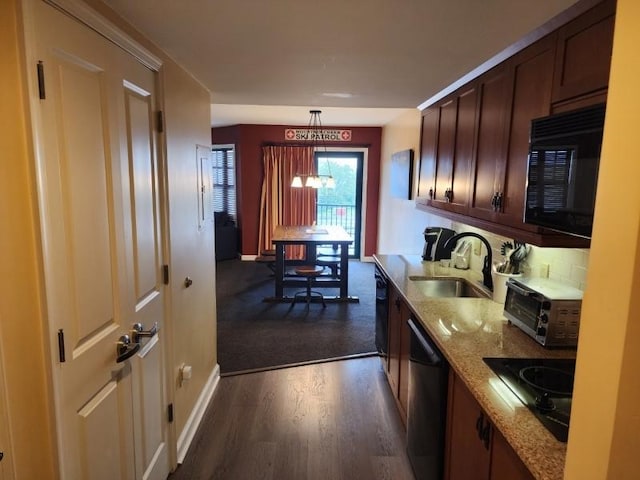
[[327, 421]]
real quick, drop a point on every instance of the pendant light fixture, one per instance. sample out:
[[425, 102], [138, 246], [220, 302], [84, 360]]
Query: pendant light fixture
[[315, 135]]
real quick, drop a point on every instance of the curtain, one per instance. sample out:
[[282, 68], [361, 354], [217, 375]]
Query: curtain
[[280, 204]]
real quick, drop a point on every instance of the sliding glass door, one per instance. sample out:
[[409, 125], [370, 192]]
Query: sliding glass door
[[342, 205]]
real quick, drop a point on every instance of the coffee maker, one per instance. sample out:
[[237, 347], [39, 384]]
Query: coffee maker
[[434, 240]]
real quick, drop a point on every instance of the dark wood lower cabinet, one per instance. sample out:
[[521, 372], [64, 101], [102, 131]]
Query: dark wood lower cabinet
[[475, 449], [505, 464], [398, 353]]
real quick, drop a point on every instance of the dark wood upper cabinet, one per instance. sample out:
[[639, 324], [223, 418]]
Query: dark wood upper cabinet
[[446, 149], [533, 74], [495, 90], [464, 150], [475, 141], [428, 152], [584, 53]]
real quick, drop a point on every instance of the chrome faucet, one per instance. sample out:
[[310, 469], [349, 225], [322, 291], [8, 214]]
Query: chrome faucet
[[487, 281]]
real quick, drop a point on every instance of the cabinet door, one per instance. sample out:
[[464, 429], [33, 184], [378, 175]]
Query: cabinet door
[[492, 134], [467, 456], [445, 151], [393, 359], [463, 156], [405, 348], [428, 152], [533, 74], [584, 53], [505, 463], [399, 343]]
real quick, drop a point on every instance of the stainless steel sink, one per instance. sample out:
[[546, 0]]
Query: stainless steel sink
[[447, 287]]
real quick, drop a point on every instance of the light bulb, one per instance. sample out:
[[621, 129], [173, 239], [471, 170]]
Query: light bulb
[[296, 182], [331, 183], [311, 181]]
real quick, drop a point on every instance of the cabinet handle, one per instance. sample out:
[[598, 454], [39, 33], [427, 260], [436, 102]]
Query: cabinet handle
[[431, 193], [486, 435], [397, 302], [498, 201], [479, 423], [449, 195]]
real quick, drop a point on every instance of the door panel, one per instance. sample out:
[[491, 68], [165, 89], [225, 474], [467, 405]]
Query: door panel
[[102, 255], [143, 193], [151, 441], [97, 429], [85, 198], [146, 288]]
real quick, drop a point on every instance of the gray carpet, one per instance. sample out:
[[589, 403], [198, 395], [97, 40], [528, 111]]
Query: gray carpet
[[253, 334]]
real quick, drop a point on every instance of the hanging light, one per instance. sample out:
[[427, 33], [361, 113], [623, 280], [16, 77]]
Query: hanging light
[[316, 135]]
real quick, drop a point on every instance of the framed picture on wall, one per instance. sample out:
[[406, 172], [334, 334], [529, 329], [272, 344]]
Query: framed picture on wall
[[402, 174]]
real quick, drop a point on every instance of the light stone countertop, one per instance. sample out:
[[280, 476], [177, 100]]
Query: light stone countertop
[[468, 329]]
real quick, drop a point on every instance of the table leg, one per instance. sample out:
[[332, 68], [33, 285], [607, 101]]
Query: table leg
[[311, 254], [279, 273], [344, 271]]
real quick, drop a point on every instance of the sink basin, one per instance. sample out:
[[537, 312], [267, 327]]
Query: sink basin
[[447, 287]]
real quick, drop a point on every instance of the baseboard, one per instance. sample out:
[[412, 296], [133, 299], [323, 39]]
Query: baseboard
[[193, 422]]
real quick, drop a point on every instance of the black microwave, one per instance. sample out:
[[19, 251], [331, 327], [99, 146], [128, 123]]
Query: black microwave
[[562, 174]]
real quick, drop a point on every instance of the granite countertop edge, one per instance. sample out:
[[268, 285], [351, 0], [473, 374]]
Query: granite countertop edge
[[468, 329]]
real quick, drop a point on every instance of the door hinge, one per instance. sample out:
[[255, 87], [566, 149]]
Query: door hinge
[[165, 274], [41, 92], [159, 121], [170, 413], [61, 346]]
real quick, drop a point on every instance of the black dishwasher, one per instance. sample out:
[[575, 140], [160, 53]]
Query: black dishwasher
[[427, 408]]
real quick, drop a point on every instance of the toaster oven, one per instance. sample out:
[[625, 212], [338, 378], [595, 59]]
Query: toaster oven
[[546, 310]]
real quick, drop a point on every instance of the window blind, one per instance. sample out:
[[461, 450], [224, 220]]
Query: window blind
[[223, 174]]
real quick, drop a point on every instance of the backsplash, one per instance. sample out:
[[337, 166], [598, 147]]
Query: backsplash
[[566, 265]]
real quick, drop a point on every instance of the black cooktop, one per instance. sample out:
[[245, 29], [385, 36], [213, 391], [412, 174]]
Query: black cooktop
[[545, 386]]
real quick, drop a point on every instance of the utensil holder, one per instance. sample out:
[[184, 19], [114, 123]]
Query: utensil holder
[[500, 283]]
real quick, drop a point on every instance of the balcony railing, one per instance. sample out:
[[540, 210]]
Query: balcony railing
[[341, 215]]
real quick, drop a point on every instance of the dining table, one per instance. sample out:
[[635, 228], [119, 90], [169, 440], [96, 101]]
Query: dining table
[[311, 237]]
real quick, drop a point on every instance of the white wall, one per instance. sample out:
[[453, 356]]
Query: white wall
[[400, 223]]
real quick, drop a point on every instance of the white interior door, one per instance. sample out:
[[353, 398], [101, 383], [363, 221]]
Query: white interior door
[[102, 255]]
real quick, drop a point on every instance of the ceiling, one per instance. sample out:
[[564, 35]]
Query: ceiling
[[366, 59]]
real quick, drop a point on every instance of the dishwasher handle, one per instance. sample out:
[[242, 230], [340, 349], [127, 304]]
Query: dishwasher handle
[[429, 349]]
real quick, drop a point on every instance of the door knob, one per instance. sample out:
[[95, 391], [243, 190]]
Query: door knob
[[138, 331], [125, 348], [188, 282]]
